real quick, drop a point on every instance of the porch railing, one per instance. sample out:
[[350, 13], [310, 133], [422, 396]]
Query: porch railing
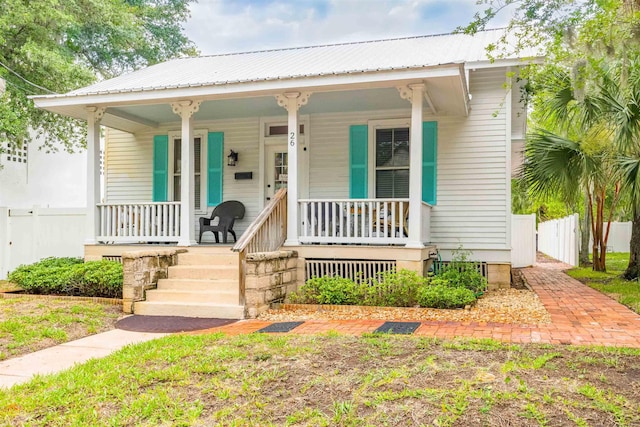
[[139, 222], [269, 230], [371, 221]]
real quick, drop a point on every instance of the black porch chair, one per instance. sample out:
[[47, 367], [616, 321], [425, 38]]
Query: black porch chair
[[227, 213]]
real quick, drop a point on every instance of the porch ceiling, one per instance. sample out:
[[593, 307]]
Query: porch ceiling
[[446, 95]]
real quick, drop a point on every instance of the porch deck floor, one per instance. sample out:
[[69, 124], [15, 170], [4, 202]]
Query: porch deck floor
[[579, 316]]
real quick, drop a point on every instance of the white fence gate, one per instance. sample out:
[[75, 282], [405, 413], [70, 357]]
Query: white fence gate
[[560, 239], [523, 240], [28, 235]]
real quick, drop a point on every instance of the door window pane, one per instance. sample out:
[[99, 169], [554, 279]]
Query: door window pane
[[281, 172]]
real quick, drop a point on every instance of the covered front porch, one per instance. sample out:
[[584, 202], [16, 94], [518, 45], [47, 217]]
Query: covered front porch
[[379, 187]]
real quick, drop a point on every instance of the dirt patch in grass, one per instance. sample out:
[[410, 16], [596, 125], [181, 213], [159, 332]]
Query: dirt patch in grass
[[28, 325], [261, 379], [6, 286], [519, 306]]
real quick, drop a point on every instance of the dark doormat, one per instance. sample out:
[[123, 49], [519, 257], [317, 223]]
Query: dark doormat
[[280, 327], [169, 323], [398, 327]]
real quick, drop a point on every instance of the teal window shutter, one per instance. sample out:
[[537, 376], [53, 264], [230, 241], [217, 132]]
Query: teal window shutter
[[429, 161], [215, 157], [160, 167], [358, 161]]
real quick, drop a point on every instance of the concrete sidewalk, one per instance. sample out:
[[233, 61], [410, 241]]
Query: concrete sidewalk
[[64, 356]]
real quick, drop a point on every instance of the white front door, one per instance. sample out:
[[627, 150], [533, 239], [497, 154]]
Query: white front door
[[276, 169]]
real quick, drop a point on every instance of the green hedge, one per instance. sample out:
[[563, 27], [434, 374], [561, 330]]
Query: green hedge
[[455, 286], [391, 289], [70, 276], [443, 296]]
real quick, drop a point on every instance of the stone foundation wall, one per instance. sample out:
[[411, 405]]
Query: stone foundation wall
[[142, 269], [269, 277], [499, 276]]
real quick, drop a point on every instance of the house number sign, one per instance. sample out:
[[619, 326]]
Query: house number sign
[[292, 139]]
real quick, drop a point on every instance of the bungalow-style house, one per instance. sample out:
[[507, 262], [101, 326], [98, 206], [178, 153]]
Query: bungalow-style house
[[349, 159]]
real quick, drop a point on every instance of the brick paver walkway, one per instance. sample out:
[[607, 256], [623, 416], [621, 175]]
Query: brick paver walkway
[[579, 315]]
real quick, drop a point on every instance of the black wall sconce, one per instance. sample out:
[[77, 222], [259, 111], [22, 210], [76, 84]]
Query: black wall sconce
[[232, 158]]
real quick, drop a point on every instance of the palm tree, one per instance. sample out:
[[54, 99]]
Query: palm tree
[[567, 165], [619, 100], [571, 153]]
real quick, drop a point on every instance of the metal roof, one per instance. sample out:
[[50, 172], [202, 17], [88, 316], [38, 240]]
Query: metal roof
[[314, 61]]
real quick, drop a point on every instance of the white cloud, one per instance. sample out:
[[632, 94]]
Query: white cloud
[[222, 26]]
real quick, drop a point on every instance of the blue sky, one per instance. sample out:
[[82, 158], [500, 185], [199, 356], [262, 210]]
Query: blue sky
[[222, 26]]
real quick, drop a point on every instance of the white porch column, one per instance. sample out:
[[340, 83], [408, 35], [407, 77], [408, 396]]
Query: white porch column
[[185, 110], [92, 228], [414, 93], [292, 101]]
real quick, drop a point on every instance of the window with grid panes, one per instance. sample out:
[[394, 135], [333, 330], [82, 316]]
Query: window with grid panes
[[197, 168], [392, 163]]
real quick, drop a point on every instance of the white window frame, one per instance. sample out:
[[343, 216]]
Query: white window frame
[[177, 135], [374, 125]]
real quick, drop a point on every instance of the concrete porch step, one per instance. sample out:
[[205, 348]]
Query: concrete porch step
[[191, 296], [199, 284], [203, 272], [208, 259], [189, 309]]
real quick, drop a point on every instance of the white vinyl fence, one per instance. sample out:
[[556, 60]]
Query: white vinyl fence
[[28, 235], [560, 239], [523, 240], [619, 237]]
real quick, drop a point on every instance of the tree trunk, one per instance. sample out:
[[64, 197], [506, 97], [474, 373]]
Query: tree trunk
[[599, 246], [585, 235], [631, 273]]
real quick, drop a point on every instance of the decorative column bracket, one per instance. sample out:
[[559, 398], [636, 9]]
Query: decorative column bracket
[[185, 108], [98, 113], [406, 92], [302, 98]]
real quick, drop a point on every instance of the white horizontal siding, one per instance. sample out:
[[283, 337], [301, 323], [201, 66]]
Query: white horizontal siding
[[128, 167], [329, 149], [472, 164]]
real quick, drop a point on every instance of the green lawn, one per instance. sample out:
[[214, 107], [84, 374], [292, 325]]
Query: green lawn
[[27, 325], [611, 282], [374, 380]]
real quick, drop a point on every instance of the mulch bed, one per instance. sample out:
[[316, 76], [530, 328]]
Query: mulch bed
[[169, 324], [512, 306]]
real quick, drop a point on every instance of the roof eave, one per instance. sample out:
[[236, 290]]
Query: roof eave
[[254, 88]]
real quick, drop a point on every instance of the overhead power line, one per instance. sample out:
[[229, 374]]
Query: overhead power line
[[27, 81]]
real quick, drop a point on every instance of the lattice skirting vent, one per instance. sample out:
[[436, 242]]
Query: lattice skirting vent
[[116, 258], [480, 266], [348, 268]]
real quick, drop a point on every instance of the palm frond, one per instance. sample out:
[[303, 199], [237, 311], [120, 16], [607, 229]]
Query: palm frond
[[554, 164]]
